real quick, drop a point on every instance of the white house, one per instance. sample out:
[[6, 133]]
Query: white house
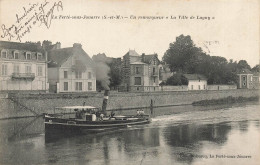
[[71, 70], [196, 82], [23, 67]]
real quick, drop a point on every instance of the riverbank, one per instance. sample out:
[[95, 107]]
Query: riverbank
[[23, 105], [227, 100]]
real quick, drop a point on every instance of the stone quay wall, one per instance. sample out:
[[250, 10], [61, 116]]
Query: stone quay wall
[[24, 105]]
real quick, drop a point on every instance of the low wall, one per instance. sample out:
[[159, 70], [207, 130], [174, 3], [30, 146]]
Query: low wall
[[174, 88], [221, 87], [45, 103]]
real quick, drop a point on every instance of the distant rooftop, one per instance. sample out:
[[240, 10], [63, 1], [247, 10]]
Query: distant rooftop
[[132, 53], [59, 56], [28, 46], [245, 71]]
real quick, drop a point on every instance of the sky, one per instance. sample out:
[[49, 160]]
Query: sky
[[232, 31]]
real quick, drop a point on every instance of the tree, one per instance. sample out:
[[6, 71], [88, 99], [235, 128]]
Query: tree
[[183, 56], [177, 79], [242, 64], [115, 74], [256, 69]]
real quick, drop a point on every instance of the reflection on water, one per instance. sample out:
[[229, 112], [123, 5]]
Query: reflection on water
[[189, 137]]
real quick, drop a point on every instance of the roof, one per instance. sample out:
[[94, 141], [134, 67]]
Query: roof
[[138, 62], [77, 107], [148, 58], [28, 46], [195, 77], [132, 53], [245, 71], [59, 56]]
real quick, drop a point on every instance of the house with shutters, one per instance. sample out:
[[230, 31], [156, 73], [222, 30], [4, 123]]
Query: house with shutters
[[140, 72], [70, 69], [23, 67]]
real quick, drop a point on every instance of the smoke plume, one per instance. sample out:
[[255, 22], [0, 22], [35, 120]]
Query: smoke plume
[[102, 70]]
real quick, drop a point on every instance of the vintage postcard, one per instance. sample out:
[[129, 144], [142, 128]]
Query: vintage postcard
[[129, 82]]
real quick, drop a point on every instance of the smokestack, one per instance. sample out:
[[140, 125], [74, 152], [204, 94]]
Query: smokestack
[[104, 105]]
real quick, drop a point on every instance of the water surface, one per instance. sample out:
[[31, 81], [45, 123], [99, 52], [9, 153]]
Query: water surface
[[228, 134]]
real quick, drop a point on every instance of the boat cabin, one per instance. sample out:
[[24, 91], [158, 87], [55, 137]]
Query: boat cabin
[[85, 113]]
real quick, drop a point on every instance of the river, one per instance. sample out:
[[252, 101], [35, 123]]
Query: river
[[193, 135]]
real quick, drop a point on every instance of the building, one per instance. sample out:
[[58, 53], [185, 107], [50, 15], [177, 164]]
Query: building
[[248, 80], [140, 72], [23, 67], [196, 81], [245, 79], [70, 69], [256, 81]]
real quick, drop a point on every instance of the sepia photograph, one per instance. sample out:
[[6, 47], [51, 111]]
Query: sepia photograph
[[129, 82]]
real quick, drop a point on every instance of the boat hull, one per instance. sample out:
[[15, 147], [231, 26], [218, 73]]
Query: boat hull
[[71, 126]]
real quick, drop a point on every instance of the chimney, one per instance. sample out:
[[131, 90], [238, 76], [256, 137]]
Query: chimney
[[142, 57], [46, 44], [77, 45], [104, 105]]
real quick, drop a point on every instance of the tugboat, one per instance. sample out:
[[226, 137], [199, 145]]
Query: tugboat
[[90, 119]]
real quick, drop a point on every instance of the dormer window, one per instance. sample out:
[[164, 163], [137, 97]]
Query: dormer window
[[15, 55], [3, 54], [28, 56], [39, 56]]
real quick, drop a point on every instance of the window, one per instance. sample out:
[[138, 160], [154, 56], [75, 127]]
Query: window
[[4, 54], [39, 70], [66, 86], [204, 86], [28, 56], [191, 87], [89, 85], [15, 55], [137, 88], [16, 68], [154, 79], [137, 70], [137, 80], [89, 75], [78, 86], [244, 84], [78, 74], [65, 74], [28, 69], [39, 56], [199, 87], [244, 78], [4, 69], [153, 71]]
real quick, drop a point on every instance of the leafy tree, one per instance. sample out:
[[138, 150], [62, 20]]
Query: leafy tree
[[256, 69], [177, 79], [242, 64], [180, 54], [114, 74], [184, 57]]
